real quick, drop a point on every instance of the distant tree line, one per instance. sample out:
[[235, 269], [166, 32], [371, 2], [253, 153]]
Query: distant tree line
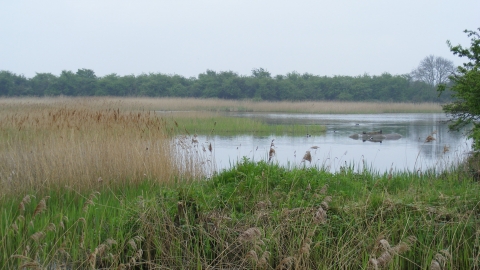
[[260, 85]]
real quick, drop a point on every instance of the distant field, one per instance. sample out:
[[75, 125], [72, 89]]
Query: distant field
[[192, 104]]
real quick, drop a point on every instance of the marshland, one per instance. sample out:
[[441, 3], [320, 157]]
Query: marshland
[[133, 183]]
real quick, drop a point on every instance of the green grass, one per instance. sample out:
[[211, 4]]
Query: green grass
[[222, 125], [243, 214]]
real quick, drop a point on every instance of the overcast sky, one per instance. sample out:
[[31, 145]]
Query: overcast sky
[[187, 37]]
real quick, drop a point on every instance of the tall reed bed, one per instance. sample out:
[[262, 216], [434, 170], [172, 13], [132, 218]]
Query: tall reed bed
[[73, 143]]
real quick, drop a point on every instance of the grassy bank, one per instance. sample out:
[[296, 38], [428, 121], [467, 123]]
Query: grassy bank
[[220, 105], [254, 216]]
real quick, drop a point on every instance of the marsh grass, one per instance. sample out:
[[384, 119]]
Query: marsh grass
[[45, 146], [210, 123]]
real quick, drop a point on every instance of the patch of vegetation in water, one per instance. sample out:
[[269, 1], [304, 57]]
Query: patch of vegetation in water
[[222, 125]]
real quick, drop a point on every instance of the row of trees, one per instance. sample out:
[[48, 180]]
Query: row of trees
[[260, 85]]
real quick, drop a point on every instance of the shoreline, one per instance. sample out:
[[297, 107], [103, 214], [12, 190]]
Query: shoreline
[[220, 105]]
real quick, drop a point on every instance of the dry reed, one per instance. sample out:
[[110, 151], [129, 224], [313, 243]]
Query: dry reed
[[388, 252], [440, 260], [307, 157], [83, 143]]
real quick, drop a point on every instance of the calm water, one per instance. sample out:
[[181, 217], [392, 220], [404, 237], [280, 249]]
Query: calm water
[[336, 149]]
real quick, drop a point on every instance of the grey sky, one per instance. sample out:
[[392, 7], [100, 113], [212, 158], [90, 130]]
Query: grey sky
[[188, 37]]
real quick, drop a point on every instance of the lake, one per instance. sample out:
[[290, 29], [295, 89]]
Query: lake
[[335, 148]]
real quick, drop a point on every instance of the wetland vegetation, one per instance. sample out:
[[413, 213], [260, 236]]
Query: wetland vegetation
[[99, 184]]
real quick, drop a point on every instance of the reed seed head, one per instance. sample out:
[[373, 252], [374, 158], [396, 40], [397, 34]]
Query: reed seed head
[[41, 206], [305, 249], [37, 236], [324, 189], [250, 235], [429, 138], [307, 156], [252, 255], [263, 261], [285, 263], [440, 259], [26, 200], [271, 153]]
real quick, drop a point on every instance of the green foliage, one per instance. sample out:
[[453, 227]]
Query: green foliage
[[260, 85], [465, 85], [222, 125]]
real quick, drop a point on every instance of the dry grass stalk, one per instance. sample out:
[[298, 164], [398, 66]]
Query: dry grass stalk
[[440, 260], [388, 252], [41, 206], [271, 153], [137, 256], [132, 244], [14, 227], [22, 257], [81, 240], [81, 220], [305, 248], [263, 205], [323, 190], [294, 212], [104, 247], [51, 228], [285, 263], [92, 258], [307, 156], [263, 261], [320, 216], [89, 201], [250, 235], [32, 265], [252, 256], [38, 236], [28, 263], [26, 200], [430, 137]]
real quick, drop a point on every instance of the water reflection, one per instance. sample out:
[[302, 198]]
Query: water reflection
[[334, 148]]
